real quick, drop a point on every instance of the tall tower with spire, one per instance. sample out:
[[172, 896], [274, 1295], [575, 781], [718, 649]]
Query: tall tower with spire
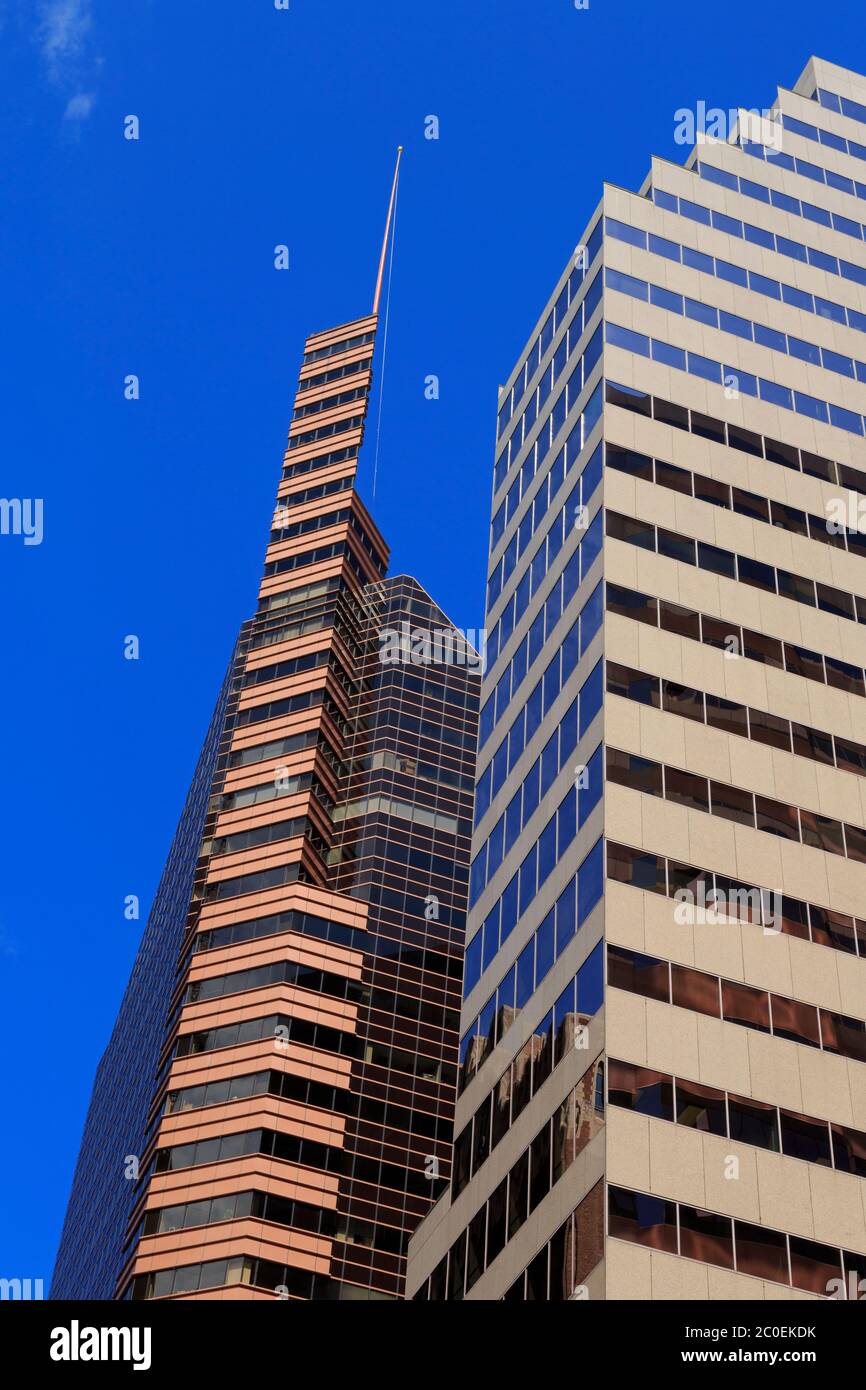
[[273, 1114]]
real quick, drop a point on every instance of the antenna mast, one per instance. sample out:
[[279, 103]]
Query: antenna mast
[[380, 276]]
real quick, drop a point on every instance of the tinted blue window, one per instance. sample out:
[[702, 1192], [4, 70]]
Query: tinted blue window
[[525, 974], [666, 299], [570, 651], [785, 202], [591, 794], [847, 225], [732, 323], [734, 273], [662, 247], [531, 791], [807, 405], [589, 882], [546, 851], [723, 223], [567, 734], [515, 739], [744, 381], [623, 232], [472, 967], [509, 910], [591, 614], [566, 916], [853, 272], [704, 367], [759, 236], [485, 723], [590, 979], [482, 795], [513, 819], [774, 393], [544, 946], [799, 298], [549, 762], [694, 211], [770, 337], [720, 176], [664, 200], [536, 637], [476, 875], [590, 549], [697, 260], [490, 934], [494, 847], [846, 420], [592, 474], [551, 684], [591, 694], [593, 246], [628, 339], [763, 285], [795, 249], [528, 871], [518, 665], [702, 313], [816, 214], [809, 170], [755, 190], [807, 352], [835, 362], [626, 284], [566, 823], [827, 309], [533, 711], [823, 261], [669, 355], [571, 579]]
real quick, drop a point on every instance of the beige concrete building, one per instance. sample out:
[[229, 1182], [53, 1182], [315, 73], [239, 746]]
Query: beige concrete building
[[663, 1057]]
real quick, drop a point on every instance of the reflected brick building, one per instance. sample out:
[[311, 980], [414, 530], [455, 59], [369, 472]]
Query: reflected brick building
[[290, 1100]]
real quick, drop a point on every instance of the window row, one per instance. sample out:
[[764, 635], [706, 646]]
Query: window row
[[539, 1057], [843, 106], [278, 972], [758, 236], [298, 441], [551, 326], [242, 1270], [732, 1244], [306, 1152], [537, 958], [739, 641], [278, 1028], [560, 1268], [335, 374], [543, 442], [689, 1103], [579, 715], [562, 665], [334, 349], [571, 517], [735, 437], [708, 369], [727, 897], [735, 804], [735, 274], [734, 1002], [756, 573], [296, 470], [727, 322], [787, 735], [736, 499], [302, 412], [816, 172], [823, 137], [558, 1143], [580, 800], [785, 202]]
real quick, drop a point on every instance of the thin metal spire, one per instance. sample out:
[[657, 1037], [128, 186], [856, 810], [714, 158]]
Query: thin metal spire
[[380, 276]]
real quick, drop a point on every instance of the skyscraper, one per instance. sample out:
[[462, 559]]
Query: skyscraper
[[273, 1115], [663, 1054]]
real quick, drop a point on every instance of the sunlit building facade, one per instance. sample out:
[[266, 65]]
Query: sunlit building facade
[[286, 1118], [663, 1052]]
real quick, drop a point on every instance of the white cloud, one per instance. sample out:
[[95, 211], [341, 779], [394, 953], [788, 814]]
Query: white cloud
[[80, 106], [61, 33]]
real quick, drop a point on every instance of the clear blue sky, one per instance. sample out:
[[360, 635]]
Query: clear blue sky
[[258, 127]]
